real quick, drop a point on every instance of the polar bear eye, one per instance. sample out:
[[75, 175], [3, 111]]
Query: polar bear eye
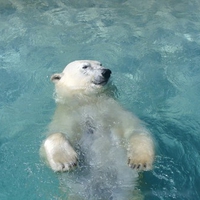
[[85, 65]]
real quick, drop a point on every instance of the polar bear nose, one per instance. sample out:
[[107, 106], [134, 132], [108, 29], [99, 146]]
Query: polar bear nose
[[106, 73]]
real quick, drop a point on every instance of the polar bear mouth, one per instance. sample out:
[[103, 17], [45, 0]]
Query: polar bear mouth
[[103, 82]]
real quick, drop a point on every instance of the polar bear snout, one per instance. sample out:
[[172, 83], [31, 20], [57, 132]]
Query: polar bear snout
[[106, 73], [102, 77]]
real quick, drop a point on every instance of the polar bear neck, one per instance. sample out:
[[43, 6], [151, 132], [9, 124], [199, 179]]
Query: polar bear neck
[[80, 96], [74, 99]]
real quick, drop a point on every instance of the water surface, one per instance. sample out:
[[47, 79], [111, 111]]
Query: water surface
[[153, 49]]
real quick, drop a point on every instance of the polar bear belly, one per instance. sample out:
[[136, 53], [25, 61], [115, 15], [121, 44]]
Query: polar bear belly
[[102, 172]]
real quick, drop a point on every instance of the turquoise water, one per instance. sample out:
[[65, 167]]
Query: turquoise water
[[153, 49]]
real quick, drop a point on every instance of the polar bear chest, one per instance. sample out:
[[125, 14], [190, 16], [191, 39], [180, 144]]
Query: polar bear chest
[[99, 119]]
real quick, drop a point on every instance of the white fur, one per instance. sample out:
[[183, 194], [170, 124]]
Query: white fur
[[84, 110]]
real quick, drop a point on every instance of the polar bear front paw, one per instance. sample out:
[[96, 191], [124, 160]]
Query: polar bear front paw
[[59, 153], [141, 153]]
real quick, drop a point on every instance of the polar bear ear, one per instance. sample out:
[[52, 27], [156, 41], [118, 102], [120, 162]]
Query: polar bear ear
[[56, 77]]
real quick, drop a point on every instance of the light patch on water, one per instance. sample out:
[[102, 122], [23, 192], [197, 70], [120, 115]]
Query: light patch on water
[[170, 49], [188, 37]]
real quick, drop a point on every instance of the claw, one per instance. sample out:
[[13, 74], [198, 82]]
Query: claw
[[133, 166], [139, 165], [63, 166], [74, 164]]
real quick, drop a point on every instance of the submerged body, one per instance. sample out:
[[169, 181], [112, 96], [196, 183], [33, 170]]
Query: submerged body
[[91, 126]]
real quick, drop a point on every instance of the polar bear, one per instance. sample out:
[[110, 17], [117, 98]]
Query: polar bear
[[89, 119]]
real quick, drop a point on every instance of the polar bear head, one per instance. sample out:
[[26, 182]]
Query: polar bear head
[[81, 77]]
